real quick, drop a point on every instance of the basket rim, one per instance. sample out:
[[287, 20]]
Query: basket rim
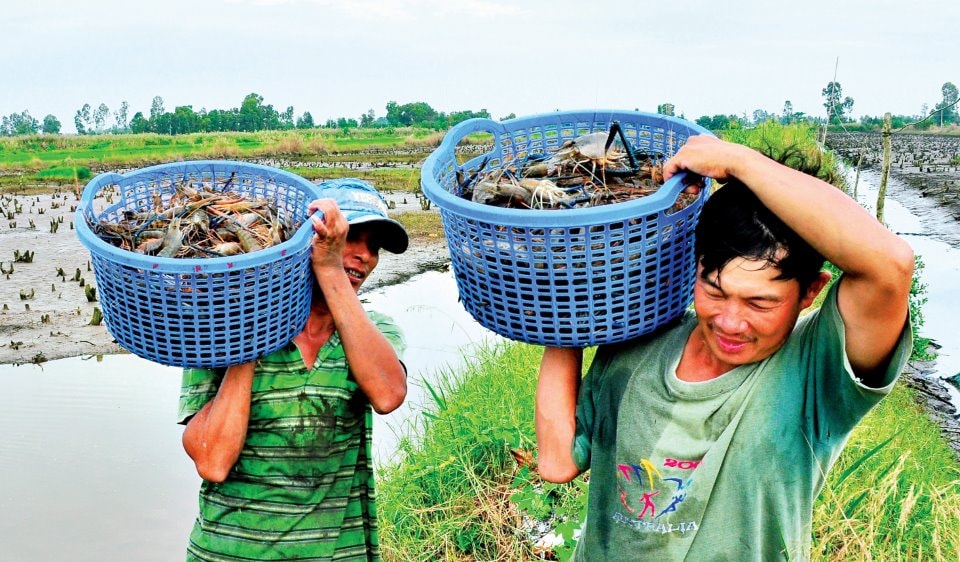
[[658, 201], [298, 242]]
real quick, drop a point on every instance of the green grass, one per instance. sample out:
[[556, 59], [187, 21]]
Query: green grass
[[465, 484], [32, 157], [794, 145], [450, 498], [384, 179], [421, 224], [461, 492], [901, 502]]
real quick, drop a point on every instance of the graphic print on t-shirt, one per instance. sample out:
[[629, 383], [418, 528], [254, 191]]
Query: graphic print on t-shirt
[[648, 493]]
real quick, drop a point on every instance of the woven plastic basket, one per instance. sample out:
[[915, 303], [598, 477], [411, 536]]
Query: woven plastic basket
[[574, 277], [199, 312]]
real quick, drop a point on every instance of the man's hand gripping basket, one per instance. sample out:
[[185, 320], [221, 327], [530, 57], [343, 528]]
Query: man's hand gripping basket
[[201, 312], [571, 277]]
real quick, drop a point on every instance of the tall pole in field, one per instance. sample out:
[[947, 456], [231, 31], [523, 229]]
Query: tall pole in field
[[885, 170]]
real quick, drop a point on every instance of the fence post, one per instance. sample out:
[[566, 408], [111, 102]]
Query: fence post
[[885, 170], [856, 181]]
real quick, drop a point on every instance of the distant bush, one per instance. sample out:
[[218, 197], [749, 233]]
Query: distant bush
[[65, 173]]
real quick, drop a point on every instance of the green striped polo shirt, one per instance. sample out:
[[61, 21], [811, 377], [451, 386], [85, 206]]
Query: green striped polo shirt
[[303, 486]]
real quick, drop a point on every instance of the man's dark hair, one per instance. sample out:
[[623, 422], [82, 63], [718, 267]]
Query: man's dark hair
[[734, 223]]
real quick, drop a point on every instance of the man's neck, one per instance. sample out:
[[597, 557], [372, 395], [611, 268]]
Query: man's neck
[[698, 363]]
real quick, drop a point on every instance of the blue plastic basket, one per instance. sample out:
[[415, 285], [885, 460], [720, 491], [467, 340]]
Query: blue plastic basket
[[573, 277], [198, 312]]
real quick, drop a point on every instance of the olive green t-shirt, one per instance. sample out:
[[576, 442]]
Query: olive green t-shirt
[[726, 469], [303, 487]]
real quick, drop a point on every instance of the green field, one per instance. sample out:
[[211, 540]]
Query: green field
[[39, 162]]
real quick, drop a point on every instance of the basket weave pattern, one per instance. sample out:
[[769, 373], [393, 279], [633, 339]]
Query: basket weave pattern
[[196, 312], [575, 277]]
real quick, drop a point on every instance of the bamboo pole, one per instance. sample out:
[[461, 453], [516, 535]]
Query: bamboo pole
[[885, 170], [856, 181]]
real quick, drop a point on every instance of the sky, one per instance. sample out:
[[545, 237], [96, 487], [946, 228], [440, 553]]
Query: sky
[[343, 58]]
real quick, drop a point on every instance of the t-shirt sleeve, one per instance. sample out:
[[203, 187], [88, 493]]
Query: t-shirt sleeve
[[586, 411], [197, 387], [832, 322], [391, 331], [840, 394]]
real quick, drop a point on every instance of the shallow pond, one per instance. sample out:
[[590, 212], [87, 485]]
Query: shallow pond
[[935, 238]]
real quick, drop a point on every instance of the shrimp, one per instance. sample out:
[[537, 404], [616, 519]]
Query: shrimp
[[173, 240]]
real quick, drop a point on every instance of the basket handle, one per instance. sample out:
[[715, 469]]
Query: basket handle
[[468, 127], [93, 188]]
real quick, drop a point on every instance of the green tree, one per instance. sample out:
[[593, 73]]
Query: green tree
[[760, 115], [393, 113], [51, 125], [719, 122], [83, 120], [947, 108], [19, 124], [286, 118], [368, 119], [416, 113], [665, 109], [305, 121], [184, 120], [120, 117], [787, 116], [344, 123], [163, 124], [255, 116], [100, 117], [156, 109], [836, 105], [139, 123], [461, 116]]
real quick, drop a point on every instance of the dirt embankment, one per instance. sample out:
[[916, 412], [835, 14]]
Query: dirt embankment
[[45, 315]]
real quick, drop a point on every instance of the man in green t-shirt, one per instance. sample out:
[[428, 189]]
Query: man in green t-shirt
[[283, 443], [711, 439]]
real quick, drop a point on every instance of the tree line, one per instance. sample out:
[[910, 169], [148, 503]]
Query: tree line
[[839, 109], [254, 115]]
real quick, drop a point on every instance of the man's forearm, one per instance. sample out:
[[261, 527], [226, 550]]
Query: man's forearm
[[215, 436], [556, 405]]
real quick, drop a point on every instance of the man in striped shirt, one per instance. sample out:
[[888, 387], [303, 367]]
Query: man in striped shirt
[[283, 443]]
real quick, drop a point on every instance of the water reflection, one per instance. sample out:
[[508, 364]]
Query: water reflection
[[92, 466], [933, 234]]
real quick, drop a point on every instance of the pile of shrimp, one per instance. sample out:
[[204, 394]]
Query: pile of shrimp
[[197, 222], [593, 169]]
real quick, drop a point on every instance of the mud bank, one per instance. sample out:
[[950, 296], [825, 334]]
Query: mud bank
[[46, 315]]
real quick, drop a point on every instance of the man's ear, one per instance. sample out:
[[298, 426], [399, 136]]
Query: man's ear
[[818, 284]]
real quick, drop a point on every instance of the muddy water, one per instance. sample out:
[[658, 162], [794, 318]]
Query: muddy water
[[934, 236], [92, 468]]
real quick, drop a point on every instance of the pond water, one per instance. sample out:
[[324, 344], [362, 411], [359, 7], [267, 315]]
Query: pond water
[[935, 238], [92, 466]]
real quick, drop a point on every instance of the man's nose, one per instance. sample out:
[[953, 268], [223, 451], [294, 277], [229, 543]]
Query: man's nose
[[731, 319]]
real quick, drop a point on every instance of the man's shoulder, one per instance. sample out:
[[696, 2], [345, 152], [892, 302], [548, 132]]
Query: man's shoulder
[[668, 334], [650, 352]]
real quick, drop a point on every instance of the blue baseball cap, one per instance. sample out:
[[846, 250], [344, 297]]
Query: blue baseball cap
[[361, 203]]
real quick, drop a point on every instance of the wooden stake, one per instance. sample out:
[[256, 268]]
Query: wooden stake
[[885, 170]]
